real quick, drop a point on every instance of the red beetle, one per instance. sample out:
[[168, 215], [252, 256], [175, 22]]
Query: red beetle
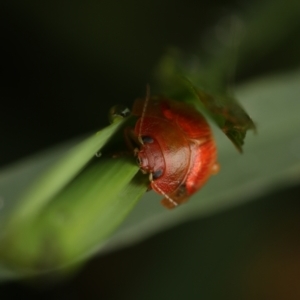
[[175, 146]]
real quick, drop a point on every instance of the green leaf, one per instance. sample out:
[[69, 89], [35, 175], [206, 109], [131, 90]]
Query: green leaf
[[70, 209], [215, 100], [227, 113], [62, 173], [76, 220]]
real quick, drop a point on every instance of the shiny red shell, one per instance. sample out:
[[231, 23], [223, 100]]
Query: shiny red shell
[[176, 148]]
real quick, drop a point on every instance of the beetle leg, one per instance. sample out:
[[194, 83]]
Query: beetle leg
[[135, 151], [200, 141], [130, 138], [215, 168], [149, 188], [140, 139], [131, 142]]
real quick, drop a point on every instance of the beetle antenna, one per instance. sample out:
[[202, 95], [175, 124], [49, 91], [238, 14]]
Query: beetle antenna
[[143, 112], [164, 194]]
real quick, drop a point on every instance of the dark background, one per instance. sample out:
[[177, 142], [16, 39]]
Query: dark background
[[63, 64]]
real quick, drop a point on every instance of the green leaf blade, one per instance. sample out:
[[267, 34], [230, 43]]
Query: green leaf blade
[[63, 172], [77, 220], [228, 114], [70, 209]]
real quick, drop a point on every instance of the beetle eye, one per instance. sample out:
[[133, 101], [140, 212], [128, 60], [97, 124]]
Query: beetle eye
[[147, 139], [157, 174]]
